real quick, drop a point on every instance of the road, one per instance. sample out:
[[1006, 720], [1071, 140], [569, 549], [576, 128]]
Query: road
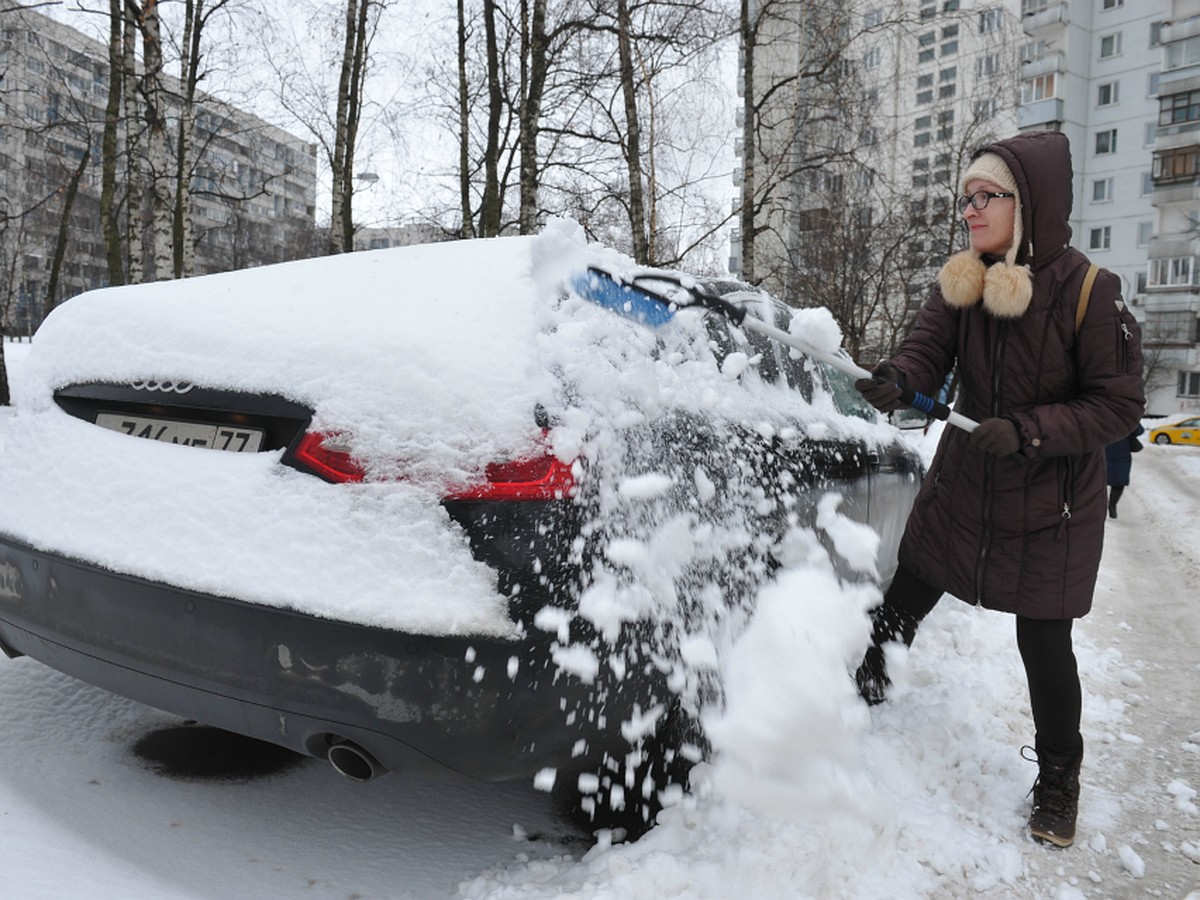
[[1148, 610]]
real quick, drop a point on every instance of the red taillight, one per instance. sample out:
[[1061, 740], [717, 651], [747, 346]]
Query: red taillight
[[543, 477], [539, 477], [328, 454]]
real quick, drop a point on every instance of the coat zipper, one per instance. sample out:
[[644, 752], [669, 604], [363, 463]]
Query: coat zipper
[[1123, 347], [1068, 497], [988, 466]]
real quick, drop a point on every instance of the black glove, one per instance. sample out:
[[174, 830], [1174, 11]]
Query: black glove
[[882, 391], [998, 436]]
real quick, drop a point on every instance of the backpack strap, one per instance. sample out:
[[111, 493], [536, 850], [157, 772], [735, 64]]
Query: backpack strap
[[1085, 295]]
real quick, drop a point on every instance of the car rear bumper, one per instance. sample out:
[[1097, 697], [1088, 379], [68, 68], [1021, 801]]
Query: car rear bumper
[[489, 708]]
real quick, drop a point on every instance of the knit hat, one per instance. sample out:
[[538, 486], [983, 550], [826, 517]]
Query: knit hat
[[1006, 288]]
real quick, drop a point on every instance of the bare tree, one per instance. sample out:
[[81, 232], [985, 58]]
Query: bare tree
[[359, 30], [535, 47], [109, 145], [197, 15]]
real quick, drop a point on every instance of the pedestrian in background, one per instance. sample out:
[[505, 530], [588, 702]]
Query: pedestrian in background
[[1119, 459], [1011, 515]]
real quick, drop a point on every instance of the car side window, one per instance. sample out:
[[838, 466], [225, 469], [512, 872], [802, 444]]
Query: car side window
[[845, 396]]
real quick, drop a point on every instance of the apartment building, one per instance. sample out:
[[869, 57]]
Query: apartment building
[[1171, 316], [1116, 77], [1121, 78], [253, 187]]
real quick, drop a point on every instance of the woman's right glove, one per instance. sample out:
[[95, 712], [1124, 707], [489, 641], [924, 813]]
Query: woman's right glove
[[882, 390]]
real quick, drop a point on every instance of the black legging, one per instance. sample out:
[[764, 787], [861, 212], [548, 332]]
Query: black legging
[[1045, 646]]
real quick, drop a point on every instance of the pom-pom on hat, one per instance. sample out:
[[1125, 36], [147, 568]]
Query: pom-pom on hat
[[1006, 288]]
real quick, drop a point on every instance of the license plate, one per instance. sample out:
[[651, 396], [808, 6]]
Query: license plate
[[235, 438]]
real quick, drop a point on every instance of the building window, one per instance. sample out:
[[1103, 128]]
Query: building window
[[1033, 51], [1156, 34], [991, 19], [1029, 7], [1106, 94], [1151, 134], [988, 65], [1171, 328], [1189, 384], [1113, 4], [1144, 233], [1178, 54], [873, 59], [921, 129], [1100, 238], [873, 19], [1175, 109], [950, 6], [1177, 164], [1175, 272], [1040, 88], [949, 48], [1110, 45], [1106, 141], [1102, 190], [986, 109]]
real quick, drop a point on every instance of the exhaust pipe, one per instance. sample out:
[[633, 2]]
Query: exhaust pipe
[[353, 762]]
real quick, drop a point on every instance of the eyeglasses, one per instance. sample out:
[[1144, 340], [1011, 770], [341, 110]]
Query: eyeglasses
[[980, 199]]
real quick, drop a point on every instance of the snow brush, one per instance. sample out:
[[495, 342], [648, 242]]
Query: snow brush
[[634, 299]]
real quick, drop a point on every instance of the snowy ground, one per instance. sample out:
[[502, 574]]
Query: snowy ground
[[924, 796]]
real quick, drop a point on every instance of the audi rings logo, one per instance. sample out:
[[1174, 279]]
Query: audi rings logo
[[166, 387]]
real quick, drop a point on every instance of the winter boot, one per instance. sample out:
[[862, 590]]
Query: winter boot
[[871, 677], [1055, 799]]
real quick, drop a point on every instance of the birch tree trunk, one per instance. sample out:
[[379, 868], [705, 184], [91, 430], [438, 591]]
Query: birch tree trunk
[[339, 188], [749, 146], [533, 84], [108, 147], [358, 74], [182, 242], [633, 140], [489, 212], [464, 129], [156, 124], [135, 192]]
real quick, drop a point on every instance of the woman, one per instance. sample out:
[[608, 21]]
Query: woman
[[1011, 515], [1119, 459]]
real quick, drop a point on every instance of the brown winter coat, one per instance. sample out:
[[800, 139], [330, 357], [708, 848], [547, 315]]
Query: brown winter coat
[[1023, 533]]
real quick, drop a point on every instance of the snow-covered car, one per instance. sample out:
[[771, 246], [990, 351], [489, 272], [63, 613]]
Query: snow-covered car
[[1185, 431], [482, 505]]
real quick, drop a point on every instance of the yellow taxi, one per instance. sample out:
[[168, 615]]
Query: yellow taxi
[[1185, 431]]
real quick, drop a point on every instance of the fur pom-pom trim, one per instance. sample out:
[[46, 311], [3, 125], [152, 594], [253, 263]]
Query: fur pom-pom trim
[[1007, 290], [962, 279]]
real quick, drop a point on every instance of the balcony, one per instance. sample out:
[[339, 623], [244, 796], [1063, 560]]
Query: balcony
[[1046, 113], [1178, 192], [1046, 22], [1052, 61], [1179, 30]]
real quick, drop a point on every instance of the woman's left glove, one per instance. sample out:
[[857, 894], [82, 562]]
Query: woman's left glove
[[998, 436]]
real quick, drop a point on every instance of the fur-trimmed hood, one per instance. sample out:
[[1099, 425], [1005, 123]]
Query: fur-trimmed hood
[[1040, 163]]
